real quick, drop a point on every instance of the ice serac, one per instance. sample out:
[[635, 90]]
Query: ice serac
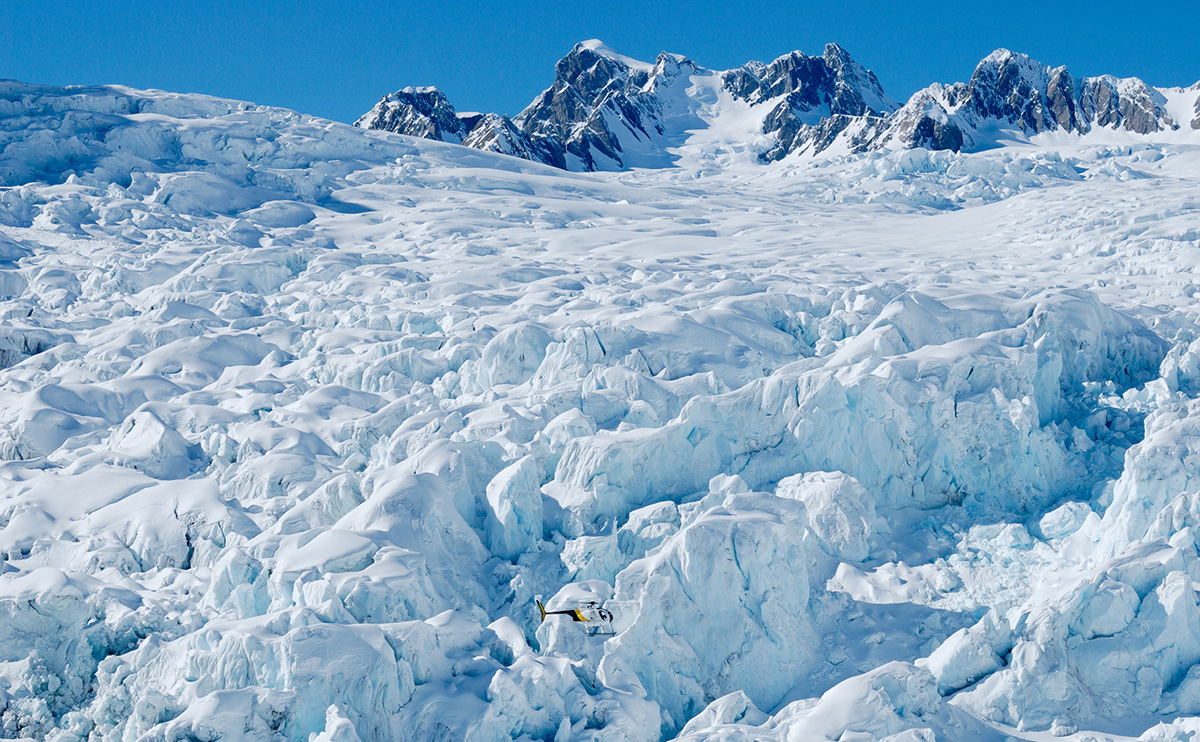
[[1035, 367], [841, 513], [896, 701], [725, 597], [1010, 95]]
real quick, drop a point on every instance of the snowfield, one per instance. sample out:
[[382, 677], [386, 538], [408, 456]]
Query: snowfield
[[297, 420]]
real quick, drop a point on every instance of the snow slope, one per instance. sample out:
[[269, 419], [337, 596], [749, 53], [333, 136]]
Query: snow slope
[[298, 419]]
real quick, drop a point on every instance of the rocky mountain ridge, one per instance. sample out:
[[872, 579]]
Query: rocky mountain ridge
[[606, 111], [1011, 92]]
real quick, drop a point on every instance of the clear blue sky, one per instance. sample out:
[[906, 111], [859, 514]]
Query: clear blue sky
[[336, 58]]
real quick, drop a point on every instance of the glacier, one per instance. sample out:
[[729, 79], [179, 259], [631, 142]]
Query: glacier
[[300, 419]]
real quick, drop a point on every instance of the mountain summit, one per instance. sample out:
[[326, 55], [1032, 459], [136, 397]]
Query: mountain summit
[[607, 111], [1010, 95]]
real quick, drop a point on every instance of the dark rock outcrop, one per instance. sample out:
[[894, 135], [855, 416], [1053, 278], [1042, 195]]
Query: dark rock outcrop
[[1127, 104], [494, 133], [822, 97], [417, 112], [602, 103], [426, 113]]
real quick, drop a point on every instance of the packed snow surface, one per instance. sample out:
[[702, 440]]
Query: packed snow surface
[[299, 419]]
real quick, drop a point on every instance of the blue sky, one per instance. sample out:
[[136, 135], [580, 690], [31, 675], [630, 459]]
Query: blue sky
[[336, 58]]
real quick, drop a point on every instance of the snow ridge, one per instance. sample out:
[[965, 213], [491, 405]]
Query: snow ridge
[[605, 110]]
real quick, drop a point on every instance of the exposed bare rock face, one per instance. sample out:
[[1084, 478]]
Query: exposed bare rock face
[[815, 100], [417, 112], [1126, 104]]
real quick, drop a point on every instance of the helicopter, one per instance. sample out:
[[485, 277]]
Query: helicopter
[[596, 620]]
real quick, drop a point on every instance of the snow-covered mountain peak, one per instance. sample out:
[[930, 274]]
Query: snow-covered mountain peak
[[1002, 56], [605, 110], [591, 66], [418, 112], [834, 51], [1012, 97], [1005, 82], [599, 48], [1005, 69], [667, 63]]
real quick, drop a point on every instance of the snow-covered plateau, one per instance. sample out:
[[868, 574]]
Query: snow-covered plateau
[[298, 420]]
